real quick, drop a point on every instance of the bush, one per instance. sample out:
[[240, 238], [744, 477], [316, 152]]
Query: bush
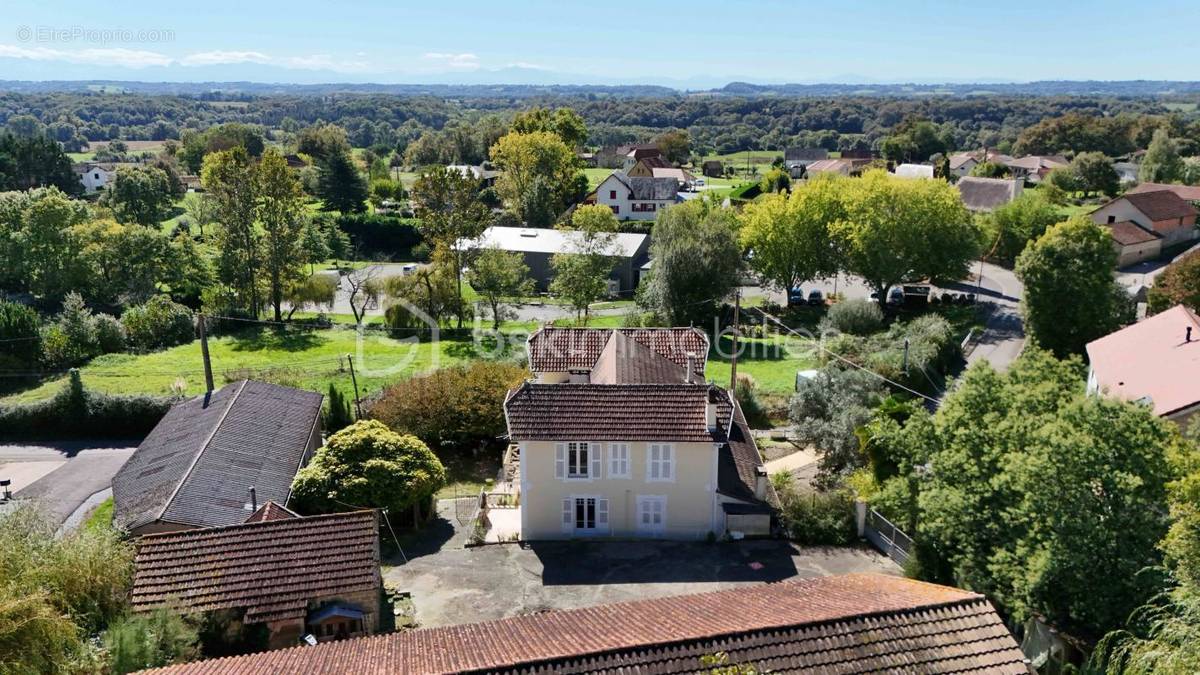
[[381, 236], [459, 405], [71, 339], [932, 350], [141, 641], [337, 415], [158, 323], [746, 393], [20, 337], [74, 411], [818, 518], [856, 317], [110, 334]]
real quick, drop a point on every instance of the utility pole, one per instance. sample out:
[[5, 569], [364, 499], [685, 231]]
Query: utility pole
[[737, 308], [905, 356], [354, 382], [208, 379]]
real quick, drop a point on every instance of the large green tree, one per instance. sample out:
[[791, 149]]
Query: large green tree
[[280, 212], [140, 194], [788, 237], [1095, 173], [1162, 163], [340, 185], [498, 276], [36, 248], [1071, 296], [581, 272], [1179, 284], [229, 178], [540, 178], [697, 262], [563, 122], [447, 203], [1009, 228], [36, 161]]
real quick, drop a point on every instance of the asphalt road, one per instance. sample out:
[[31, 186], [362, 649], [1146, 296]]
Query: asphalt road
[[89, 469]]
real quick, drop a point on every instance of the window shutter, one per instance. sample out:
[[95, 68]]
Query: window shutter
[[602, 514], [597, 461], [568, 515], [668, 464], [560, 461]]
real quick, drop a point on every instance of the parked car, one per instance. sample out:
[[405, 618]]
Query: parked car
[[816, 298], [896, 296], [796, 296]]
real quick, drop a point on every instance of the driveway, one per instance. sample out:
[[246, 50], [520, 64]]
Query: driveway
[[1003, 336], [451, 585], [81, 469]]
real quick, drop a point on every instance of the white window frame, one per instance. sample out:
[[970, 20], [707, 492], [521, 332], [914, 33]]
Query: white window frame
[[660, 462], [601, 515], [593, 466], [619, 462], [640, 506]]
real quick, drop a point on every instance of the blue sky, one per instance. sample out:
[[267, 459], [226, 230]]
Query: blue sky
[[686, 43]]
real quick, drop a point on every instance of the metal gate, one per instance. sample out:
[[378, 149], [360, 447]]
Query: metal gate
[[888, 538]]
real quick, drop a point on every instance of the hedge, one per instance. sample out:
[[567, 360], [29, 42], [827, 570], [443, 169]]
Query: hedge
[[380, 235], [76, 412]]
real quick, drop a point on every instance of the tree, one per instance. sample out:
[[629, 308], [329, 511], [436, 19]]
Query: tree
[[581, 273], [362, 290], [322, 141], [158, 638], [675, 146], [140, 194], [367, 465], [201, 209], [1081, 481], [36, 248], [897, 230], [1071, 296], [563, 122], [914, 139], [1065, 178], [789, 237], [989, 170], [157, 324], [1179, 284], [775, 180], [314, 244], [1010, 227], [697, 262], [1095, 173], [337, 415], [117, 264], [279, 210], [452, 217], [339, 184], [498, 275], [430, 289], [540, 175], [20, 337], [36, 161], [827, 411], [229, 178], [1162, 163], [314, 290]]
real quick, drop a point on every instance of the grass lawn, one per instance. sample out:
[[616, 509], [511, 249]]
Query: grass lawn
[[467, 476], [596, 176], [101, 517], [306, 359], [772, 362]]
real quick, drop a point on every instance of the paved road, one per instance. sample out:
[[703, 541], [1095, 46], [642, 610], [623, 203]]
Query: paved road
[[1003, 337], [89, 468]]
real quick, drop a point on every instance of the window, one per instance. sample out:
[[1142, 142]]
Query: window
[[660, 463], [612, 194], [585, 514], [1112, 219], [577, 460], [651, 514], [97, 176], [618, 460], [615, 208], [644, 207]]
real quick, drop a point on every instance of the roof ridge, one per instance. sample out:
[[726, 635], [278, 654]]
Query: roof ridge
[[203, 448], [286, 522]]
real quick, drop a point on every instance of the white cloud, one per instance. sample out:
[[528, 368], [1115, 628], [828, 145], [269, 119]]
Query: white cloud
[[302, 62], [107, 56], [219, 57], [526, 65], [464, 61]]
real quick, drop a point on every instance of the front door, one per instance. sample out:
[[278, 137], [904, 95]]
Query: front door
[[651, 515]]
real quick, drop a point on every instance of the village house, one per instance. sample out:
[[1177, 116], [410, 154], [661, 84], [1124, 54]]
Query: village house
[[844, 167], [856, 623], [213, 458], [1155, 361], [1161, 212], [1188, 193], [95, 176], [632, 154], [635, 197], [797, 160], [538, 246], [1034, 168], [961, 163], [486, 177], [620, 436], [712, 168], [983, 195], [644, 168], [317, 576]]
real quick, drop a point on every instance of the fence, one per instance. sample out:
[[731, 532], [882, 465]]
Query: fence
[[888, 538]]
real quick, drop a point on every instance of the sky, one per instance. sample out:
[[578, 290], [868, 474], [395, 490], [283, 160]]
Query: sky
[[683, 43]]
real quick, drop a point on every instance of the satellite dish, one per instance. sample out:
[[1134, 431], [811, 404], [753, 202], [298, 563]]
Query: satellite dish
[[310, 640]]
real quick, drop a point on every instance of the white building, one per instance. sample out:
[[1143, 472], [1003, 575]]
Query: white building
[[635, 197], [914, 170], [95, 176]]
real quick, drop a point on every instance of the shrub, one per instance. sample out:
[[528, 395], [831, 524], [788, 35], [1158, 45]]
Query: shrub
[[381, 236], [818, 518], [141, 641], [452, 406], [110, 334], [20, 337], [746, 393], [72, 338], [74, 411], [158, 323], [337, 414], [856, 317]]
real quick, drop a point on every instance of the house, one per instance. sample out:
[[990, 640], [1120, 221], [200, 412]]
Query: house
[[988, 194], [575, 354], [645, 167], [191, 183], [797, 160], [1161, 211], [855, 623], [914, 170], [1034, 168], [538, 246], [213, 456], [620, 437], [1128, 172], [961, 163], [486, 177], [839, 166], [1155, 361], [95, 176], [317, 575], [1133, 243], [635, 197], [1188, 193], [712, 168], [295, 161], [631, 154]]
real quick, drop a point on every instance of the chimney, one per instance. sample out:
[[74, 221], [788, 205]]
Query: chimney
[[253, 499], [710, 415], [1188, 337], [691, 368], [760, 482]]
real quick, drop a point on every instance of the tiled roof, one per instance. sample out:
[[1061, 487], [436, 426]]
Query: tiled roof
[[558, 350], [1151, 360], [612, 412], [1189, 193], [987, 194], [852, 623], [1129, 233], [738, 459], [836, 165], [1159, 204], [624, 360], [271, 569], [197, 465], [271, 511], [805, 154], [653, 189]]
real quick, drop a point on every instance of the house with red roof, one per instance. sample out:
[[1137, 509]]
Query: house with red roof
[[1160, 215]]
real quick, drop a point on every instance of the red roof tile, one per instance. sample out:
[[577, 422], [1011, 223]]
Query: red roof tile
[[559, 350], [272, 569], [1159, 204], [1151, 360], [837, 624], [611, 412], [1129, 233], [271, 511]]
